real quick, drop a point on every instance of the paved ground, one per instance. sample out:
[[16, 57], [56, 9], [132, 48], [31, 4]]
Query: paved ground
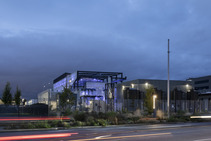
[[158, 132]]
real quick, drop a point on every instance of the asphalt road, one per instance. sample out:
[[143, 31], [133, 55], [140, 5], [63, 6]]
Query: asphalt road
[[158, 132]]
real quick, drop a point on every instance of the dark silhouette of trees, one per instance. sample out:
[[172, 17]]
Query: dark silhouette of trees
[[7, 96], [17, 98]]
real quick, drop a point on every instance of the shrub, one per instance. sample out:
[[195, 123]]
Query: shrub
[[89, 118], [78, 123], [90, 121], [137, 113], [30, 126], [101, 115], [54, 123], [112, 117], [42, 124], [80, 116], [93, 114], [178, 119], [135, 119], [102, 122], [172, 119], [122, 118], [66, 124], [160, 114]]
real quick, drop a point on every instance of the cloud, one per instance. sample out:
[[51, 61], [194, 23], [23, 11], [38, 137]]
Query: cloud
[[41, 40]]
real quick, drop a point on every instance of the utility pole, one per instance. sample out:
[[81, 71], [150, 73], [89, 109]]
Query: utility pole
[[168, 93]]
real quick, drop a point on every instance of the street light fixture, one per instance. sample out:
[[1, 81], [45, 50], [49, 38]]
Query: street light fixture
[[154, 97], [146, 84], [123, 87], [154, 108]]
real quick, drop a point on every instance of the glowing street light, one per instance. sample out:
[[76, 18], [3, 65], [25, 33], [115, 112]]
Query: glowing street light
[[123, 87], [146, 84], [154, 108], [154, 97]]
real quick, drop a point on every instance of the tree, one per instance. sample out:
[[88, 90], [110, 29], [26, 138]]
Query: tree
[[17, 98], [148, 100], [66, 99], [7, 96]]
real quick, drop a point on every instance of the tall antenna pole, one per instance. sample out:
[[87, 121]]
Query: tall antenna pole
[[168, 93]]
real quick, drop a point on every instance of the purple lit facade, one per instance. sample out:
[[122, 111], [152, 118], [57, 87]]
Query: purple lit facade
[[92, 89]]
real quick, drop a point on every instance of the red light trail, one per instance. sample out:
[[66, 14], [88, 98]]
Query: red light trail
[[44, 136]]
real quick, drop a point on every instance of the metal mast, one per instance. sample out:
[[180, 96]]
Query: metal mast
[[168, 93]]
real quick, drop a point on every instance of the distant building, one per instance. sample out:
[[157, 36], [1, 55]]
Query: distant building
[[131, 94], [96, 91], [32, 101], [1, 102], [203, 86], [48, 97]]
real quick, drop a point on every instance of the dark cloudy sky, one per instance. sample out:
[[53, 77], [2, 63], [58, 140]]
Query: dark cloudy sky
[[41, 39]]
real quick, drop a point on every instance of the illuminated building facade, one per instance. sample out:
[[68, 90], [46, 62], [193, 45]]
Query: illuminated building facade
[[49, 98], [31, 101], [60, 82], [96, 91]]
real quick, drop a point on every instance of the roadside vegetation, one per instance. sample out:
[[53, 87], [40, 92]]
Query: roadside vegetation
[[80, 119], [39, 124]]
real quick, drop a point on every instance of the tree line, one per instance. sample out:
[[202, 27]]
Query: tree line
[[7, 95]]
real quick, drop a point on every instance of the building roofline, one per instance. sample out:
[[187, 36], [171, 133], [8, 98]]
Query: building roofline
[[199, 77], [99, 72], [154, 80], [61, 77]]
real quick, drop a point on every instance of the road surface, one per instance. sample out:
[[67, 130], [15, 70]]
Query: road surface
[[157, 132]]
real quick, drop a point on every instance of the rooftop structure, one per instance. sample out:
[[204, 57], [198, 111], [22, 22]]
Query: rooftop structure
[[95, 90]]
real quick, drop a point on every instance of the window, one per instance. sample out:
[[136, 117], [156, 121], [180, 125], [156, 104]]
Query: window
[[201, 88], [202, 81]]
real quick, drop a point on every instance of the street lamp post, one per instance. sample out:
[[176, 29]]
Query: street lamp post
[[154, 105], [168, 87]]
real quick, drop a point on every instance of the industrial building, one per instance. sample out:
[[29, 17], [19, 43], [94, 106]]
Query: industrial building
[[107, 91], [131, 95], [49, 98], [96, 91], [203, 86]]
